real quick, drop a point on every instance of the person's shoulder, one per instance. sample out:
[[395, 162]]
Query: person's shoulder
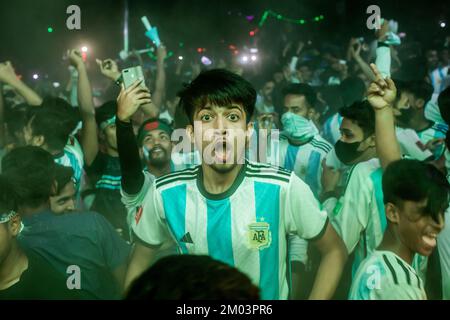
[[321, 144], [257, 170], [177, 178], [366, 168], [441, 127]]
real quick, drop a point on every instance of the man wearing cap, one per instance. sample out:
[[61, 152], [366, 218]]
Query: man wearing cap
[[23, 275], [154, 145]]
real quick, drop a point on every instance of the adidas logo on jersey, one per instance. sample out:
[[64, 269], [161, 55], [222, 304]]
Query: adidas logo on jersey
[[187, 238]]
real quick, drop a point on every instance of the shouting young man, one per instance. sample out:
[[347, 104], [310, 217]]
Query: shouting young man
[[234, 210]]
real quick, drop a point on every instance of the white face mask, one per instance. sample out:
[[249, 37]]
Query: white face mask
[[297, 128]]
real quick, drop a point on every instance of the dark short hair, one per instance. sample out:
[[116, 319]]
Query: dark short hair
[[71, 115], [444, 104], [106, 111], [219, 87], [16, 118], [419, 89], [352, 90], [414, 180], [362, 113], [301, 89], [52, 125], [63, 175], [8, 198], [192, 277], [31, 172]]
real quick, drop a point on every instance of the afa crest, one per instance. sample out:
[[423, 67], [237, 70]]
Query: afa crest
[[259, 235]]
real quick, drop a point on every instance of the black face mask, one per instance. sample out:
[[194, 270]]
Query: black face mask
[[347, 152], [405, 115]]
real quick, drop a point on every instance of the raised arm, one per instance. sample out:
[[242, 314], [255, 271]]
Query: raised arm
[[152, 110], [89, 139], [355, 53], [128, 102], [381, 96], [8, 76]]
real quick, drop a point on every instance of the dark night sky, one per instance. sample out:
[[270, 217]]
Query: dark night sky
[[26, 42]]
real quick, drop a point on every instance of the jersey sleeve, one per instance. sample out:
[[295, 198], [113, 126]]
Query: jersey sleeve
[[392, 291], [149, 225], [412, 146], [135, 200], [352, 215], [298, 249], [303, 214]]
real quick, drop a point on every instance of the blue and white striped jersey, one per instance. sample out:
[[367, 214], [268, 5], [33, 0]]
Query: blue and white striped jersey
[[434, 131], [385, 276], [73, 157], [330, 129], [246, 226]]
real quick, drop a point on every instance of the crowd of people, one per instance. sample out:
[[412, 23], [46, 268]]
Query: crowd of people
[[324, 175]]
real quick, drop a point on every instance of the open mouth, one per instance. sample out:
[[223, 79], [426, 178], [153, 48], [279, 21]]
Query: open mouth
[[222, 151], [157, 151], [430, 239]]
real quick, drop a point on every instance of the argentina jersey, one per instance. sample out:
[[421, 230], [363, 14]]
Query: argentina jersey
[[246, 226], [435, 131], [359, 216], [330, 129], [305, 160], [72, 156], [386, 276]]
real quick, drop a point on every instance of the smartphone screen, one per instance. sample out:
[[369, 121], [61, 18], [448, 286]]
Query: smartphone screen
[[131, 75]]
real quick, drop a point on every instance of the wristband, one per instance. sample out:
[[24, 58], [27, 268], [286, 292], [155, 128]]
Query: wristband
[[119, 80]]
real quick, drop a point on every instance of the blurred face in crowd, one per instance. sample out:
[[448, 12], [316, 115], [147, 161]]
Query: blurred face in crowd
[[267, 91], [65, 200], [221, 134], [157, 147], [339, 66], [296, 104], [109, 135], [305, 73], [432, 59], [417, 231], [278, 77]]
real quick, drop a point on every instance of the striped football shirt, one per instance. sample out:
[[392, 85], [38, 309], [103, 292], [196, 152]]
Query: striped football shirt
[[246, 226], [385, 276]]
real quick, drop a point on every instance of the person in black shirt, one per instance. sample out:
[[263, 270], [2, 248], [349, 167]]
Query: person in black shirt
[[83, 247], [24, 275]]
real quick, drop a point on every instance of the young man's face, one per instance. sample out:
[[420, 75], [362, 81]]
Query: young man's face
[[65, 200], [432, 59], [305, 73], [157, 143], [110, 136], [220, 134], [417, 231], [267, 90], [351, 132], [296, 104]]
